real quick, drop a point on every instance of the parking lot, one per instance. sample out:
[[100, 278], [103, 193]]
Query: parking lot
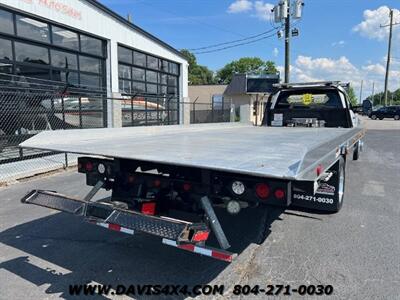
[[357, 251]]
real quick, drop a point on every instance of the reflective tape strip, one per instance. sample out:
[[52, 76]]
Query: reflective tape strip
[[218, 254], [127, 230], [115, 227]]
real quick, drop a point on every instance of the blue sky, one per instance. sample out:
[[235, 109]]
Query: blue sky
[[339, 39]]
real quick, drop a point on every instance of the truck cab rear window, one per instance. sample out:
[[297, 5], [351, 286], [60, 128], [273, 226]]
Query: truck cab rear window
[[310, 99]]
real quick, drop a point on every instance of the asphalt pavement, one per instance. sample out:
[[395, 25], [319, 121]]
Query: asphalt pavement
[[357, 251]]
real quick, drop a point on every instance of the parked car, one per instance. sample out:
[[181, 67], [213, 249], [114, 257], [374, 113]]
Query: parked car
[[386, 112]]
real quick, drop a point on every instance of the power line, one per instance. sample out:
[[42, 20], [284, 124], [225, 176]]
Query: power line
[[234, 41], [236, 45]]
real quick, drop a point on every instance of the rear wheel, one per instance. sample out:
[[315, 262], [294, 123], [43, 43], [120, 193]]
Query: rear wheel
[[341, 183], [397, 117], [380, 118], [356, 151], [373, 117]]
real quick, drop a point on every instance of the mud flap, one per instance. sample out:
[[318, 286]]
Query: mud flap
[[327, 196]]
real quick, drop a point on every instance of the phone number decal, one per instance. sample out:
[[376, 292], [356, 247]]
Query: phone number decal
[[280, 289], [313, 198]]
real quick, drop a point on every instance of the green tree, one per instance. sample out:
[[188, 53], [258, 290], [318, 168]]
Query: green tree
[[352, 96], [253, 65], [197, 74]]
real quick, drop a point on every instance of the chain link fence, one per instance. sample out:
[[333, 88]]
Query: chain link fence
[[29, 106], [209, 113]]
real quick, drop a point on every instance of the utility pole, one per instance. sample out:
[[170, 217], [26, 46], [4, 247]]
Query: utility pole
[[362, 82], [287, 43], [284, 11], [389, 54]]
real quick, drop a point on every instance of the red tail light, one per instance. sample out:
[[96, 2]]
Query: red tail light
[[157, 183], [200, 236], [89, 166], [262, 190], [149, 208], [187, 187], [279, 194], [131, 178]]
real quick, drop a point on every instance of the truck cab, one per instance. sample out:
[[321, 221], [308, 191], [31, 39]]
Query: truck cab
[[321, 104]]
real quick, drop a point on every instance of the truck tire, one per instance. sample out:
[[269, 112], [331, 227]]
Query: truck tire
[[397, 117], [380, 118], [341, 184], [356, 151]]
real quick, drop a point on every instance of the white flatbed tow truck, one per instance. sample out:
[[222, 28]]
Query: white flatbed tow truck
[[296, 157]]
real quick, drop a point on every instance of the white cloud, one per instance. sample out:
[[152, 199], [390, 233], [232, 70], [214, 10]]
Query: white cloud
[[263, 10], [338, 44], [275, 52], [240, 6], [259, 9], [373, 19], [307, 68]]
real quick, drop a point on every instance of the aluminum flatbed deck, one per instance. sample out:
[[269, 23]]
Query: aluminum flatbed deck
[[278, 152]]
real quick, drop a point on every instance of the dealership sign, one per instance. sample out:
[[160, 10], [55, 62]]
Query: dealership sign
[[57, 6]]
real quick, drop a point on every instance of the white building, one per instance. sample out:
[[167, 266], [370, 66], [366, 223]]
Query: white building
[[84, 43]]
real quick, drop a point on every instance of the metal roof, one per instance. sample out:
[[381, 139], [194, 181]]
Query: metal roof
[[135, 27]]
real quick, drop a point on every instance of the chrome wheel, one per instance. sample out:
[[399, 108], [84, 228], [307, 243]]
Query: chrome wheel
[[341, 184]]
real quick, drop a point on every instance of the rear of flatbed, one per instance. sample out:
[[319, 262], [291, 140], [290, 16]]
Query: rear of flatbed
[[166, 181]]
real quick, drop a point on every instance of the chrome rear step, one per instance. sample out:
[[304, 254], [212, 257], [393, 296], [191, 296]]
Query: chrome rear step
[[178, 233], [54, 200], [166, 228], [106, 212]]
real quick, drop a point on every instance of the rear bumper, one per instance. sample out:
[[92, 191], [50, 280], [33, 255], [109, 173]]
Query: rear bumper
[[176, 233], [107, 213]]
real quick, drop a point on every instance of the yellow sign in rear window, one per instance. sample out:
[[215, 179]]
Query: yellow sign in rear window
[[307, 99]]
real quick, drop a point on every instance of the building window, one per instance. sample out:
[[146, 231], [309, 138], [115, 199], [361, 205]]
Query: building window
[[139, 59], [152, 62], [217, 102], [31, 72], [124, 72], [5, 49], [125, 86], [138, 87], [151, 88], [89, 64], [90, 81], [138, 74], [65, 38], [173, 68], [91, 45], [6, 68], [66, 77], [61, 59], [32, 29], [6, 22], [148, 73], [125, 55], [31, 54], [164, 66], [163, 78], [58, 58], [151, 76]]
